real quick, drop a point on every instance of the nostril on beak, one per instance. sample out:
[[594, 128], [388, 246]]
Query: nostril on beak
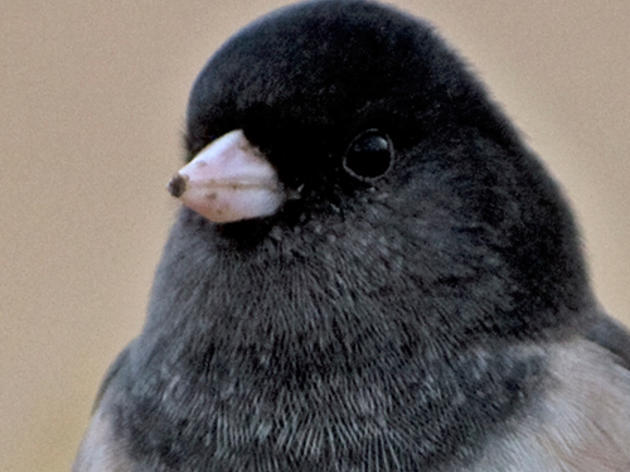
[[177, 185]]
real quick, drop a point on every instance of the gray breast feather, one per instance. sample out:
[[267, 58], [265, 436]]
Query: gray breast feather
[[581, 425]]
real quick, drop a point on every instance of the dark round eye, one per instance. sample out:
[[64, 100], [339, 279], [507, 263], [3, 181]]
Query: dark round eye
[[369, 155]]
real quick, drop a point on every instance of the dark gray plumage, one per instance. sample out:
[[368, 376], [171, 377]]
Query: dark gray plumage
[[418, 301]]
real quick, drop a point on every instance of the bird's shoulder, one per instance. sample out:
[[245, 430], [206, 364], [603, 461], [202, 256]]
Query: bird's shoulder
[[610, 334], [580, 424], [99, 450]]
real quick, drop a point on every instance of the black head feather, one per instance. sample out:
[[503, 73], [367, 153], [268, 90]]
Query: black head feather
[[306, 80]]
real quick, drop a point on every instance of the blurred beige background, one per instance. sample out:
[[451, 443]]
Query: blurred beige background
[[93, 97]]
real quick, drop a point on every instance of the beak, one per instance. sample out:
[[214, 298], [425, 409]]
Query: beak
[[229, 180]]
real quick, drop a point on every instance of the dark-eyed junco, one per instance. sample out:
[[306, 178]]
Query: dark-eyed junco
[[369, 272]]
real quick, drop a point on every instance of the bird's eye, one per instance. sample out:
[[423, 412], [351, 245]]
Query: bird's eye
[[369, 155]]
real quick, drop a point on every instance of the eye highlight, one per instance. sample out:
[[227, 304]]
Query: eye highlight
[[369, 155]]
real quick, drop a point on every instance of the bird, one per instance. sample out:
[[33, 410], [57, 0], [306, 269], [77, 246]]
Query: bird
[[369, 271]]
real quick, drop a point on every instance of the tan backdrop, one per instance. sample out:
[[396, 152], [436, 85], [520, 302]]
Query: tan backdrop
[[93, 97]]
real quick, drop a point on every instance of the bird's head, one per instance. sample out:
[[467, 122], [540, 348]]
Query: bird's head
[[348, 137], [324, 102]]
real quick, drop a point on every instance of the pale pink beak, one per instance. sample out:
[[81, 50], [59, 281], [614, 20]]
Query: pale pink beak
[[229, 180]]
